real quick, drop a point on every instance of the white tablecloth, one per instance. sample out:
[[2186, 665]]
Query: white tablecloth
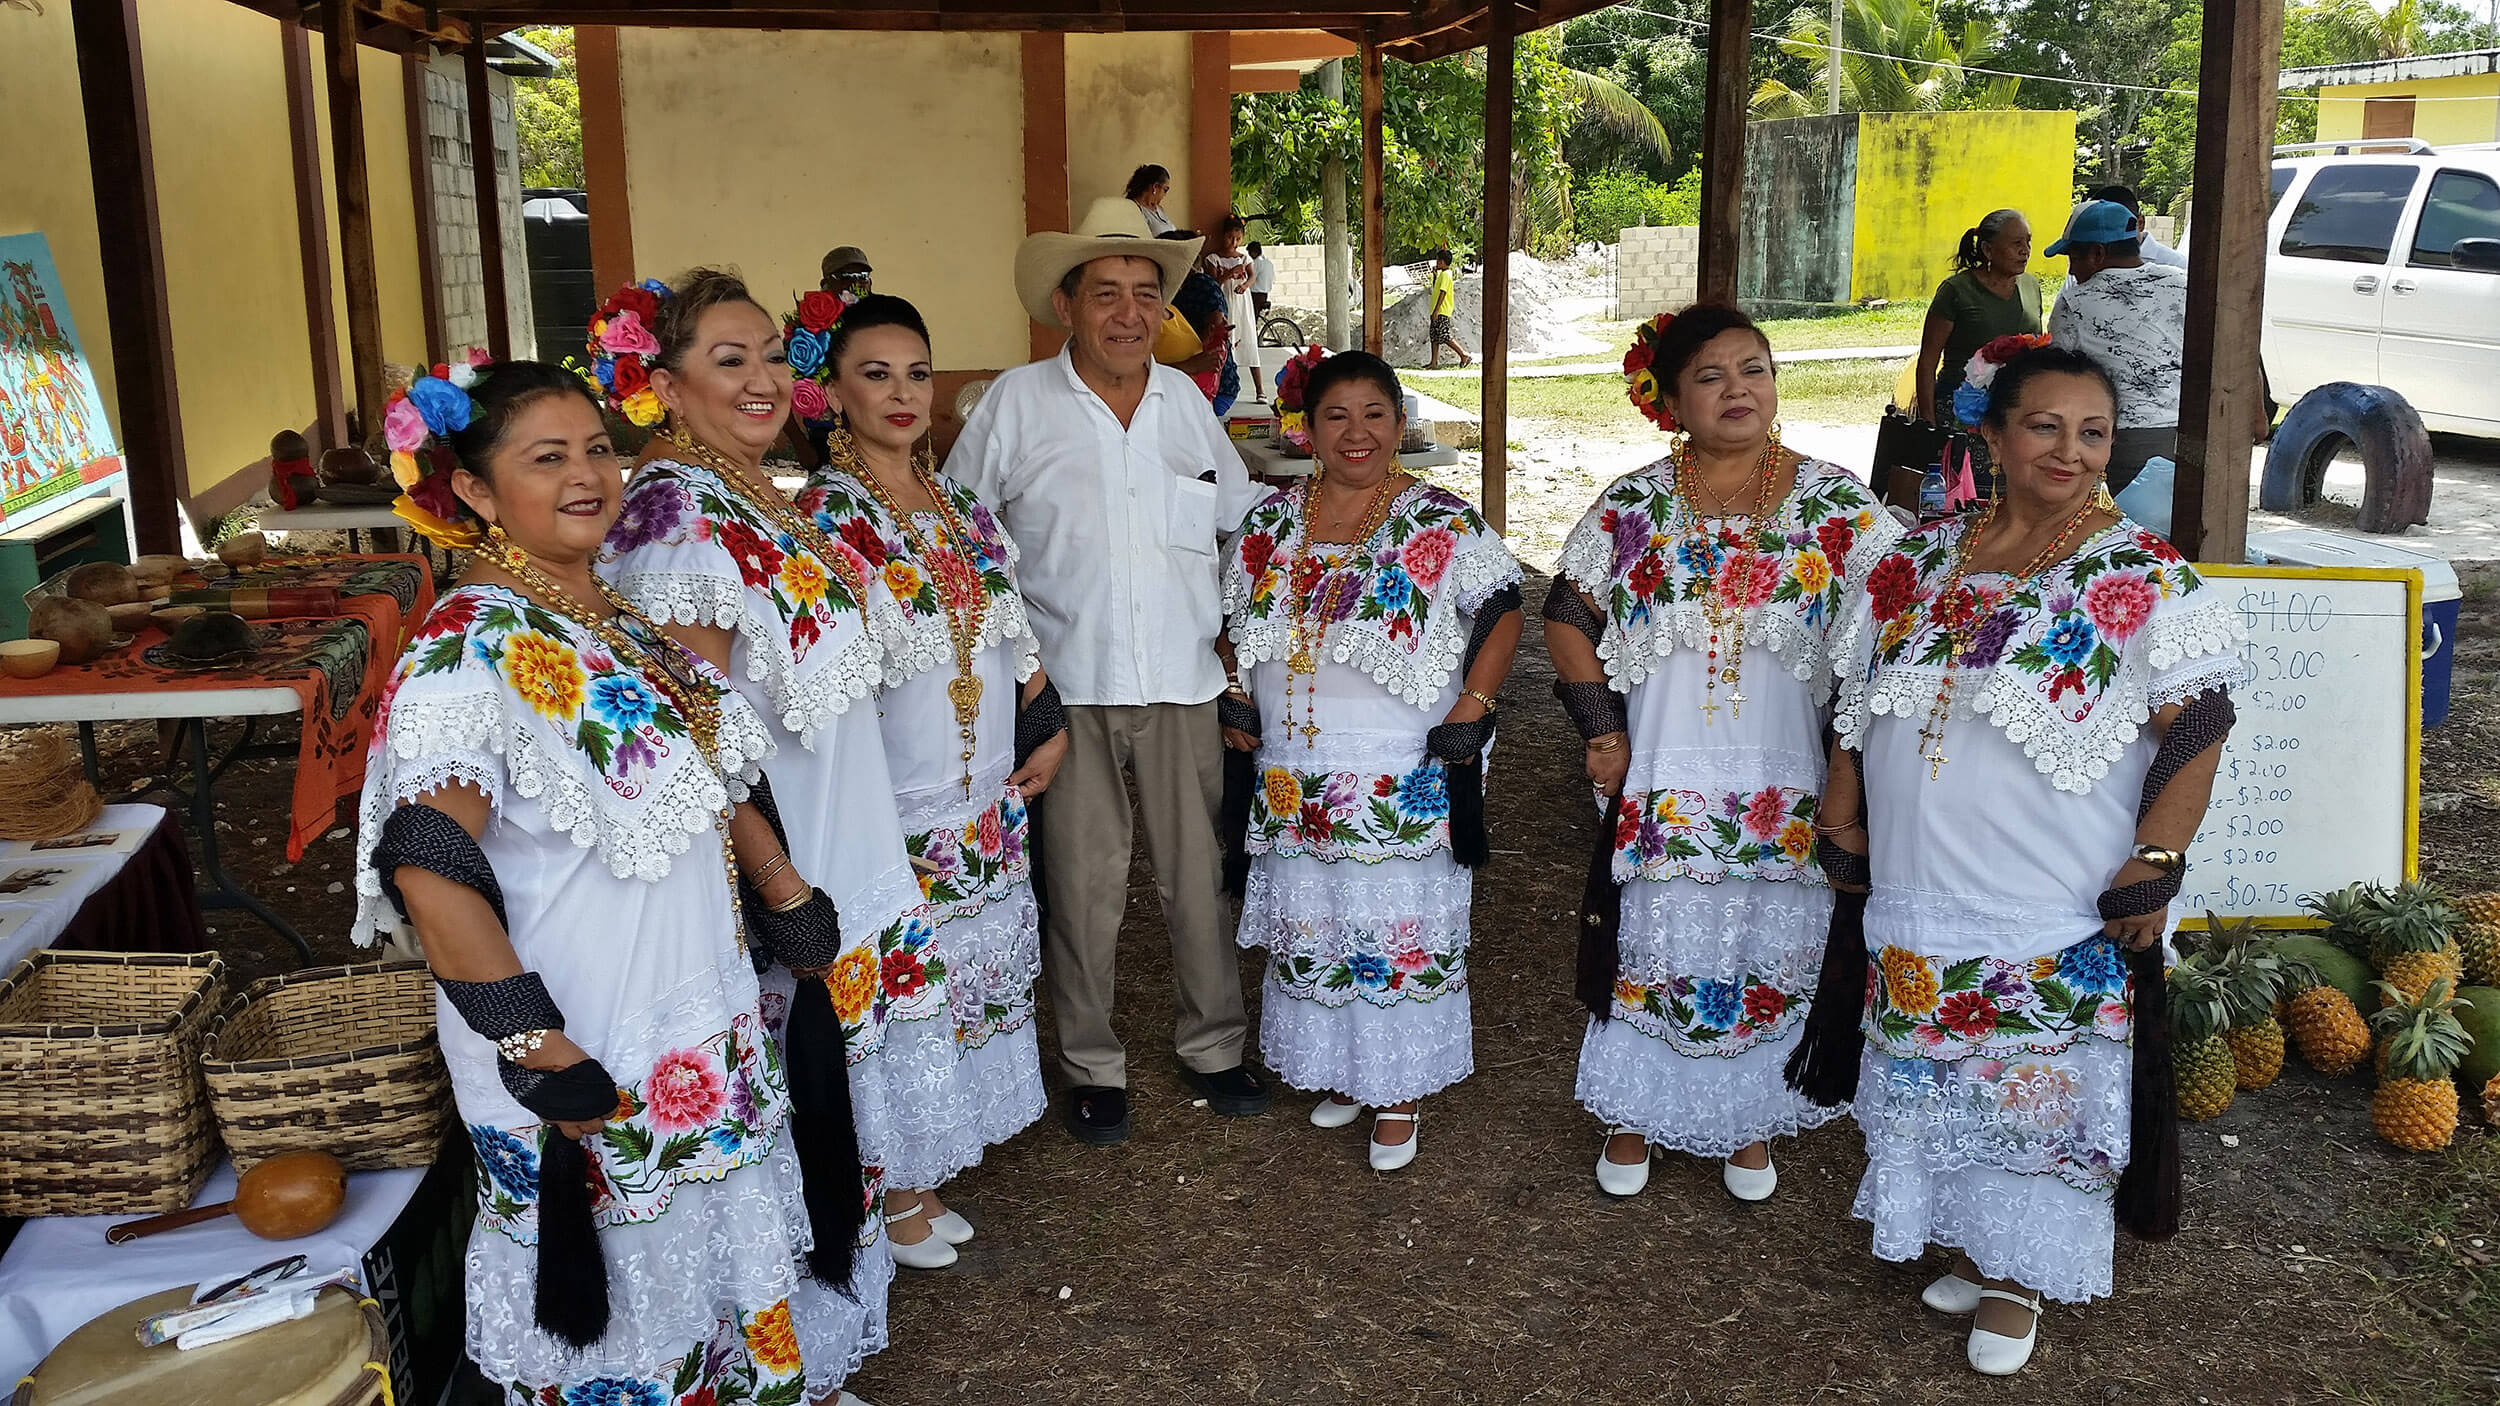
[[29, 923], [60, 1273]]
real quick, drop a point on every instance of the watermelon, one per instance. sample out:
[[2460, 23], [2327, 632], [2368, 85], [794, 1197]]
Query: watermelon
[[2483, 1023], [2341, 970]]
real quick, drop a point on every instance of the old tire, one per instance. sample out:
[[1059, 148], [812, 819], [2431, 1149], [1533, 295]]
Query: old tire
[[2395, 454]]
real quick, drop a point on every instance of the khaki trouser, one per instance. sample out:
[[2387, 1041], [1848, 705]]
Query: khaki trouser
[[1176, 754]]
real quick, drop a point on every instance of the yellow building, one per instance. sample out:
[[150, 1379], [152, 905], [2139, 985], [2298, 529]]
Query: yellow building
[[2442, 99]]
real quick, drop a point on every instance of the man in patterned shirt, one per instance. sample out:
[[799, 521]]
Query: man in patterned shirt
[[2130, 316]]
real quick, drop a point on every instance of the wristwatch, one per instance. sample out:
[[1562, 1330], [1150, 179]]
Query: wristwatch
[[2169, 861]]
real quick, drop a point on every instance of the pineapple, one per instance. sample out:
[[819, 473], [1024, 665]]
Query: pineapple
[[2327, 1029], [2416, 1104], [2253, 983], [2479, 939], [2201, 1063], [2344, 911], [2413, 940]]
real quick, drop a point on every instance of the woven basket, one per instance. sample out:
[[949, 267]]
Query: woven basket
[[342, 1060], [101, 1107]]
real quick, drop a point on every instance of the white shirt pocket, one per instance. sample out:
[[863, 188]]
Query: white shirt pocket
[[1190, 522]]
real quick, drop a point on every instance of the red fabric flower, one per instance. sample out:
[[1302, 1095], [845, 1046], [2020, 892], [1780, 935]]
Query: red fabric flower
[[903, 974], [1892, 585], [1969, 1014], [1257, 550], [758, 559], [1639, 357], [804, 630], [1627, 821], [1314, 825], [819, 310], [1648, 575], [451, 617], [641, 302], [1385, 786], [1763, 1004], [1835, 537], [862, 536], [630, 376], [1764, 814]]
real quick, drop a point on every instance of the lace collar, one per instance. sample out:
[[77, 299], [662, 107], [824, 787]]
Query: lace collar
[[915, 637], [691, 549], [520, 701], [2070, 665], [1791, 571], [1403, 597]]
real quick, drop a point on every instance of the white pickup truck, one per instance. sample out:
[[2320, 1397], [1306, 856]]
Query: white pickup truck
[[2383, 267]]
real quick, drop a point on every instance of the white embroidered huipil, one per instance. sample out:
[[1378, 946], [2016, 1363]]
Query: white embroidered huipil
[[1724, 911], [1994, 1093], [1353, 890], [605, 841], [962, 1067]]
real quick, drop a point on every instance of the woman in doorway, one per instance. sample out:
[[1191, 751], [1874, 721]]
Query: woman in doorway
[[1147, 186], [1988, 296]]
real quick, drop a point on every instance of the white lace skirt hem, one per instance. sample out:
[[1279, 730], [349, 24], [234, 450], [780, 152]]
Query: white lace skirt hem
[[1706, 1105], [837, 1331], [1374, 1055], [946, 1105]]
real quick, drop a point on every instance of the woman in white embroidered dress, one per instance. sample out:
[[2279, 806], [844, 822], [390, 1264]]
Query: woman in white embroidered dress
[[970, 1074], [1712, 578], [712, 550], [1366, 609], [1995, 1084], [589, 764]]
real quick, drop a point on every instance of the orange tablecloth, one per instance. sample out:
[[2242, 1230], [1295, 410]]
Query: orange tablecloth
[[337, 666]]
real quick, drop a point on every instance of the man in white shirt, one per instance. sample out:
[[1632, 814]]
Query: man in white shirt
[[1118, 488], [2130, 315]]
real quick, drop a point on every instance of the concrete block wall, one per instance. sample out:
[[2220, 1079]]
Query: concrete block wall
[[461, 274], [1656, 269], [1301, 274]]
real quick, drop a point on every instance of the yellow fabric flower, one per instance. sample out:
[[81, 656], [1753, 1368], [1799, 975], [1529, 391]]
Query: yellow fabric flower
[[1909, 984], [1813, 571], [1291, 422], [643, 408], [1645, 385], [2044, 968], [1797, 840], [1670, 813], [772, 1342], [1895, 631], [404, 470], [802, 578], [545, 673], [1284, 793], [1630, 993], [852, 983], [902, 578]]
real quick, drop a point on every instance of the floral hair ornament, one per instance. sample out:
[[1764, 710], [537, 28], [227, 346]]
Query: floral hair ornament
[[807, 338], [1970, 399], [1640, 381], [417, 425], [1293, 419], [621, 347]]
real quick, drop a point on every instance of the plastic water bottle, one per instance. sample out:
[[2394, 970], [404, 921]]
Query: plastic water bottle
[[1931, 494]]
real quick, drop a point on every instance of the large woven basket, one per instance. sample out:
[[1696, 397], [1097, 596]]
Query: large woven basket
[[101, 1107], [342, 1060]]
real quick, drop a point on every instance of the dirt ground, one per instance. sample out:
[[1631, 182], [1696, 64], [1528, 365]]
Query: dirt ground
[[1216, 1260]]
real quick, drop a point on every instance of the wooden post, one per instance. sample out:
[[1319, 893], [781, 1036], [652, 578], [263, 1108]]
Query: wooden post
[[1045, 157], [485, 172], [412, 71], [1375, 202], [1723, 106], [1500, 65], [1210, 129], [1336, 252], [603, 157], [2220, 379], [347, 155], [113, 92], [312, 239]]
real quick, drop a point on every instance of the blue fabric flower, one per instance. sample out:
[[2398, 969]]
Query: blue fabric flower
[[1424, 793], [1969, 403], [510, 1163], [605, 368], [444, 405], [2092, 965], [807, 350], [616, 1391], [727, 1141], [624, 700], [2070, 640], [1371, 970], [1718, 1003], [1392, 588], [1699, 555]]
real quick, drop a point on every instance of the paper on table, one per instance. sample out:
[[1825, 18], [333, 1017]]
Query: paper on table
[[31, 920]]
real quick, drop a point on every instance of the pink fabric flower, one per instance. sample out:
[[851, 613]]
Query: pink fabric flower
[[403, 426], [1764, 815], [2120, 603], [1427, 555], [808, 399], [624, 334], [987, 831], [686, 1091]]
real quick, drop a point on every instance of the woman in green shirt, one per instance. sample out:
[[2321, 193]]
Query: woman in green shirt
[[1989, 297]]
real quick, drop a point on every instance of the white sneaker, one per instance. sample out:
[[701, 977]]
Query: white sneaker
[[952, 1228], [1995, 1354], [1621, 1178], [1750, 1183], [931, 1252], [1951, 1294], [1328, 1113], [1387, 1158]]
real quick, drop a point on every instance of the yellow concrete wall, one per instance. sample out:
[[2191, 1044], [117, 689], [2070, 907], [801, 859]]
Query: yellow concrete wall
[[45, 185], [908, 145], [1128, 104], [2438, 117], [1923, 178], [384, 99]]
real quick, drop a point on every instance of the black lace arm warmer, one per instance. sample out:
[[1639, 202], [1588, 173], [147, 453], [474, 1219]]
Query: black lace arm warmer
[[1594, 708], [2202, 724], [1564, 605], [421, 837], [1038, 720]]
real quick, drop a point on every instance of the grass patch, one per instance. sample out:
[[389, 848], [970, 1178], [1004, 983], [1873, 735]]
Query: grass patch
[[1825, 392], [1895, 325]]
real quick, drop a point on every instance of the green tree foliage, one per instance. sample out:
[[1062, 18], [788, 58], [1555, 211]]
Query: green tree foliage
[[547, 115], [1605, 205], [1924, 64], [2110, 54]]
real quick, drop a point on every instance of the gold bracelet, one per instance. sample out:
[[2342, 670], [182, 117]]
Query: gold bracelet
[[797, 903], [1611, 742], [772, 866], [1485, 699], [1842, 828]]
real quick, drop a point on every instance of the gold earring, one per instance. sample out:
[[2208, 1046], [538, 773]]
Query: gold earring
[[2101, 498], [507, 552], [841, 451], [678, 433], [1775, 434]]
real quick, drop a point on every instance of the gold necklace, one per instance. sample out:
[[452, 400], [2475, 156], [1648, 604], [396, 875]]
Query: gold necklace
[[782, 512], [965, 604], [696, 701], [1726, 620], [1310, 618], [1960, 618]]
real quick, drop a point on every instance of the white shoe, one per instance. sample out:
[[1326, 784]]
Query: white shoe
[[930, 1253], [1996, 1355], [1621, 1178], [952, 1228], [1328, 1113], [844, 1398], [1951, 1294], [1750, 1183], [1390, 1158]]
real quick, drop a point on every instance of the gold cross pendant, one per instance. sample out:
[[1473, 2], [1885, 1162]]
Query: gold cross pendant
[[1935, 765], [1736, 705], [1310, 734], [1710, 713]]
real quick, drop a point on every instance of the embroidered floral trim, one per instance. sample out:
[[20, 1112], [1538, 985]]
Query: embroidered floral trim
[[1674, 834], [1433, 563], [1390, 968], [2040, 1116], [963, 868], [2066, 666], [1792, 573], [1704, 1016], [1333, 815], [1920, 1007], [914, 636]]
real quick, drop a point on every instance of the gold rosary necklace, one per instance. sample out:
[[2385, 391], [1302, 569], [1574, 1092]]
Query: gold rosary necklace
[[1726, 618], [1960, 618], [781, 511], [965, 604], [695, 700], [1311, 617]]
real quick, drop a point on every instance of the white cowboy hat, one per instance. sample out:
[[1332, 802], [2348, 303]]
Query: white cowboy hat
[[1113, 228]]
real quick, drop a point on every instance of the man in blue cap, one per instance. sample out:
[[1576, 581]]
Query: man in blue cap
[[2131, 316]]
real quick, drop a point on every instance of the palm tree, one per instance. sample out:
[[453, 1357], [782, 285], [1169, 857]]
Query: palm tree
[[2358, 33], [1924, 65], [1540, 198]]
